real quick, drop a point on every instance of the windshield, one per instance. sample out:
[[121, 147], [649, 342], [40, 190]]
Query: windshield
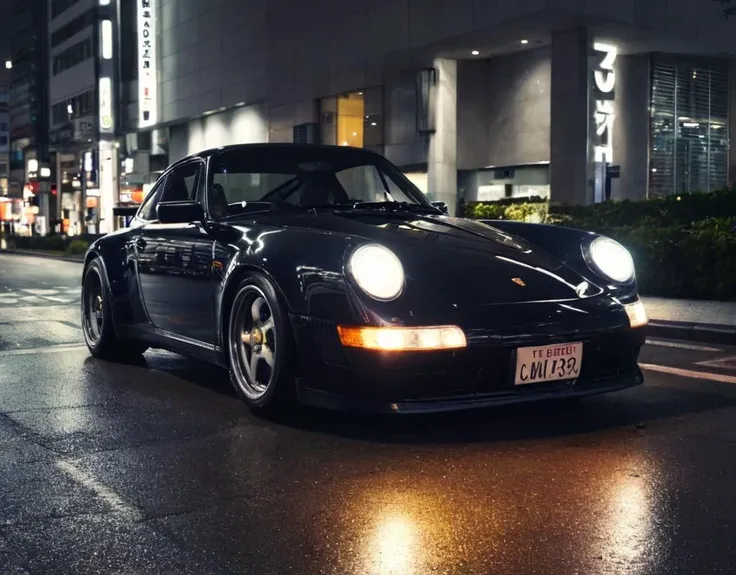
[[302, 176]]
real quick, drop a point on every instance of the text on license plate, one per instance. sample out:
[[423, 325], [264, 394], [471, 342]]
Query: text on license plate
[[548, 363]]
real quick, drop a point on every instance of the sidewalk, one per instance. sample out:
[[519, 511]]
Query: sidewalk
[[709, 321]]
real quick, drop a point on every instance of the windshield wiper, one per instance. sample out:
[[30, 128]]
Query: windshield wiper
[[396, 207], [261, 206]]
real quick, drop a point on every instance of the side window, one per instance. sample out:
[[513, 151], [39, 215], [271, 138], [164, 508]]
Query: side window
[[182, 183], [148, 208]]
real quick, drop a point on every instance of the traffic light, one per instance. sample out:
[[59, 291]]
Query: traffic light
[[53, 189]]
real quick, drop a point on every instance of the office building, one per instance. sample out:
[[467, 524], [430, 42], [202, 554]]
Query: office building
[[30, 172], [475, 100]]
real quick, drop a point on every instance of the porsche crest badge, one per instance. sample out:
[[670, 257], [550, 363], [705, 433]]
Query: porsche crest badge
[[519, 282]]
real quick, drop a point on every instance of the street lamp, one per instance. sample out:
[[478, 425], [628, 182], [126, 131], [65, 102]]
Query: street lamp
[[8, 64]]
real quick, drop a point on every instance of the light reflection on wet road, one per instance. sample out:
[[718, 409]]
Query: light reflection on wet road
[[158, 468]]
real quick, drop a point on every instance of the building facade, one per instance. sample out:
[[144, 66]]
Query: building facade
[[4, 136], [30, 173], [74, 46], [475, 100]]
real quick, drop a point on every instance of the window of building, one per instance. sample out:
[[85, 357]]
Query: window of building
[[72, 56], [58, 7], [353, 119], [76, 107], [73, 27], [689, 125]]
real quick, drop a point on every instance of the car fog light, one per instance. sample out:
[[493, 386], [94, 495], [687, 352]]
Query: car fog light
[[637, 314], [403, 338]]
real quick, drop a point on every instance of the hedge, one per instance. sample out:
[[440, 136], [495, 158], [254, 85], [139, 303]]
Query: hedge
[[54, 243], [684, 246]]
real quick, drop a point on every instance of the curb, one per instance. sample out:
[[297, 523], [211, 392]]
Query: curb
[[708, 333], [35, 254]]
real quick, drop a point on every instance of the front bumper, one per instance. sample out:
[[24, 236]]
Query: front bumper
[[480, 375]]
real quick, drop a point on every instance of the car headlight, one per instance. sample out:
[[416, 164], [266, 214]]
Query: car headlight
[[377, 271], [612, 259]]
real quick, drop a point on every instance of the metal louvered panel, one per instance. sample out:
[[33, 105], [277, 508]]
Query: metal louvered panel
[[689, 119], [663, 124]]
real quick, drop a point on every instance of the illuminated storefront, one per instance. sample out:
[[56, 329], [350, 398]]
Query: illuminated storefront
[[353, 119]]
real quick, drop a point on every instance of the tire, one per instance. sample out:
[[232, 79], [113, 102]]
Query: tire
[[260, 346], [97, 320]]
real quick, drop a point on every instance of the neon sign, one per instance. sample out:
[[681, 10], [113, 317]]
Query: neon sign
[[147, 82], [604, 77]]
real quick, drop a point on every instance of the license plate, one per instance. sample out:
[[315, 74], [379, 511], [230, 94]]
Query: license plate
[[548, 363]]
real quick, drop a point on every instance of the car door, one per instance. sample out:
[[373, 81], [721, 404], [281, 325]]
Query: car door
[[175, 263], [136, 261]]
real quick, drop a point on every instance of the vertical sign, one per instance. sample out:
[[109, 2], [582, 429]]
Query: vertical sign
[[107, 125], [147, 84], [604, 78]]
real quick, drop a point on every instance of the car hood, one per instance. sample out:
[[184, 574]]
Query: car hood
[[472, 261]]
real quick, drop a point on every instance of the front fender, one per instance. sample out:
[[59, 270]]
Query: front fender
[[305, 266]]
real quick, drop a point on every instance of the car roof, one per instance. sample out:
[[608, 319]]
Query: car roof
[[268, 146]]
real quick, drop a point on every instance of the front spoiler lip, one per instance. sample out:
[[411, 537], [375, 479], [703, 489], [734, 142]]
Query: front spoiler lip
[[338, 402]]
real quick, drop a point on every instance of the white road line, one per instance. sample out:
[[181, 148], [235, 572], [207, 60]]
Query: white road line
[[50, 349], [678, 345], [58, 299], [116, 503], [689, 373], [725, 362]]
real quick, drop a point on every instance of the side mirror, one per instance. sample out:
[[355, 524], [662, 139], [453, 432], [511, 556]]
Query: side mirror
[[179, 212], [441, 206]]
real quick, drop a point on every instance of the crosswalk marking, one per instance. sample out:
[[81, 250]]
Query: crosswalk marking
[[64, 295], [58, 348]]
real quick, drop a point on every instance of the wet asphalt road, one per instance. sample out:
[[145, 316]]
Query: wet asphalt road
[[157, 468]]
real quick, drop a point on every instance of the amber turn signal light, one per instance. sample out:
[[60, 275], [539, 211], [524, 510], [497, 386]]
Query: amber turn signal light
[[403, 338], [637, 314]]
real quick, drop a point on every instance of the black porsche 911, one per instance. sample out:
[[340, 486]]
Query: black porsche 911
[[322, 274]]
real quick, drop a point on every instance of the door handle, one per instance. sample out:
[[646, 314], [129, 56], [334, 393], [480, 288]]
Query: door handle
[[140, 243]]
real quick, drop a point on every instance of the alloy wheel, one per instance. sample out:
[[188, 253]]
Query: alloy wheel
[[253, 342], [94, 308]]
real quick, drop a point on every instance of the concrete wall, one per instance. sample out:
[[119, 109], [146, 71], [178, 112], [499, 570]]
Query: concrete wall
[[244, 125], [631, 128], [212, 55], [698, 22], [504, 110], [220, 52], [403, 144]]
